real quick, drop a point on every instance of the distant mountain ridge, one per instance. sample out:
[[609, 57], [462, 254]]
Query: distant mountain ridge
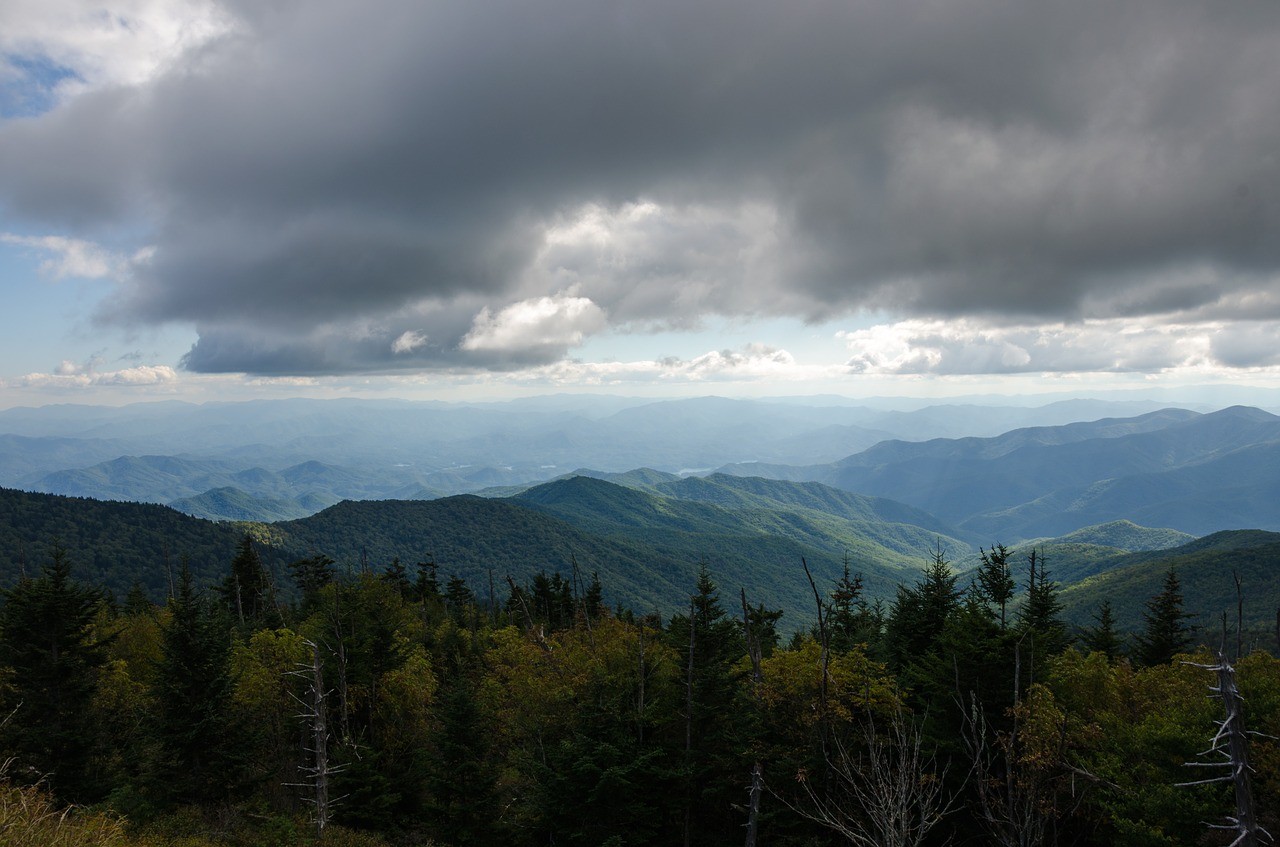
[[421, 449], [1191, 472]]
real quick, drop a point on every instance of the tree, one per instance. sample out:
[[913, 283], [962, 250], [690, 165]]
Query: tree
[[848, 619], [311, 575], [47, 641], [193, 694], [247, 590], [919, 613], [1166, 633], [887, 790], [714, 765], [995, 578], [1103, 638], [1039, 614]]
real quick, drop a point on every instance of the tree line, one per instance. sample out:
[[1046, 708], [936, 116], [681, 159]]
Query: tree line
[[400, 705]]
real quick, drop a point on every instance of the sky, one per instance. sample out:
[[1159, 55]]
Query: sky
[[223, 199]]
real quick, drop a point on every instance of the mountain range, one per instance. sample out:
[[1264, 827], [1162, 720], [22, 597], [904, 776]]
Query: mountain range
[[191, 455], [1197, 473]]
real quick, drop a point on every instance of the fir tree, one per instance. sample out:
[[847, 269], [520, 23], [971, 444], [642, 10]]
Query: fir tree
[[848, 619], [46, 640], [193, 694], [715, 770], [919, 613], [247, 590], [1166, 633], [1040, 613], [311, 575], [1103, 638], [995, 577]]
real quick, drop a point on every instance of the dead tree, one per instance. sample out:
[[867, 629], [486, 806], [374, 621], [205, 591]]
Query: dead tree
[[886, 793], [316, 775], [1229, 750]]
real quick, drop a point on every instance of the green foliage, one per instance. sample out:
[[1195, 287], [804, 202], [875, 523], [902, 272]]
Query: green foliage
[[1166, 633], [192, 727], [995, 577], [113, 545], [1103, 638], [48, 645]]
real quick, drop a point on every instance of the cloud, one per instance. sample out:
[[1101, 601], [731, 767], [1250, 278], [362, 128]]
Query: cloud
[[751, 363], [65, 47], [318, 177], [74, 257], [543, 325], [408, 341], [70, 375], [1110, 346]]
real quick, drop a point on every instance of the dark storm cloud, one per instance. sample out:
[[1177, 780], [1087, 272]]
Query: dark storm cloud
[[333, 176]]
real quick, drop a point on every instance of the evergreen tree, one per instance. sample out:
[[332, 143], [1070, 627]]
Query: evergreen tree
[[427, 586], [995, 577], [1103, 638], [247, 590], [1040, 613], [46, 640], [1166, 633], [311, 575], [715, 767], [462, 781], [920, 612], [397, 576], [849, 621], [193, 695], [460, 600], [136, 601]]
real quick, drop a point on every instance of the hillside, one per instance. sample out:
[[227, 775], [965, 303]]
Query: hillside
[[646, 547], [112, 544], [1204, 567]]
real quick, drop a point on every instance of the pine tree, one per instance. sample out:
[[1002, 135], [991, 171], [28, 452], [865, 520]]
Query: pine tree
[[1166, 633], [193, 694], [715, 769], [247, 590], [995, 578], [461, 780], [1040, 614], [1103, 638], [311, 575], [46, 640], [848, 619], [919, 613]]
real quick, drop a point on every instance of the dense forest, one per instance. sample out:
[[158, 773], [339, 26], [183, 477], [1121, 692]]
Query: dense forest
[[391, 706]]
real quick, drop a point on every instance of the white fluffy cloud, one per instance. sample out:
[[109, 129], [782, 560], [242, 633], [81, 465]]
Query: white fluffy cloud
[[75, 257], [542, 323], [968, 347], [83, 44], [70, 375], [408, 341]]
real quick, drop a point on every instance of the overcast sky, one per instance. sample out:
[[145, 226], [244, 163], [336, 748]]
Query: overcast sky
[[482, 198]]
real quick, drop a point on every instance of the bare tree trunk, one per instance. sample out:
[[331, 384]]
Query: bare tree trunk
[[1232, 745], [320, 733], [316, 776], [822, 634]]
